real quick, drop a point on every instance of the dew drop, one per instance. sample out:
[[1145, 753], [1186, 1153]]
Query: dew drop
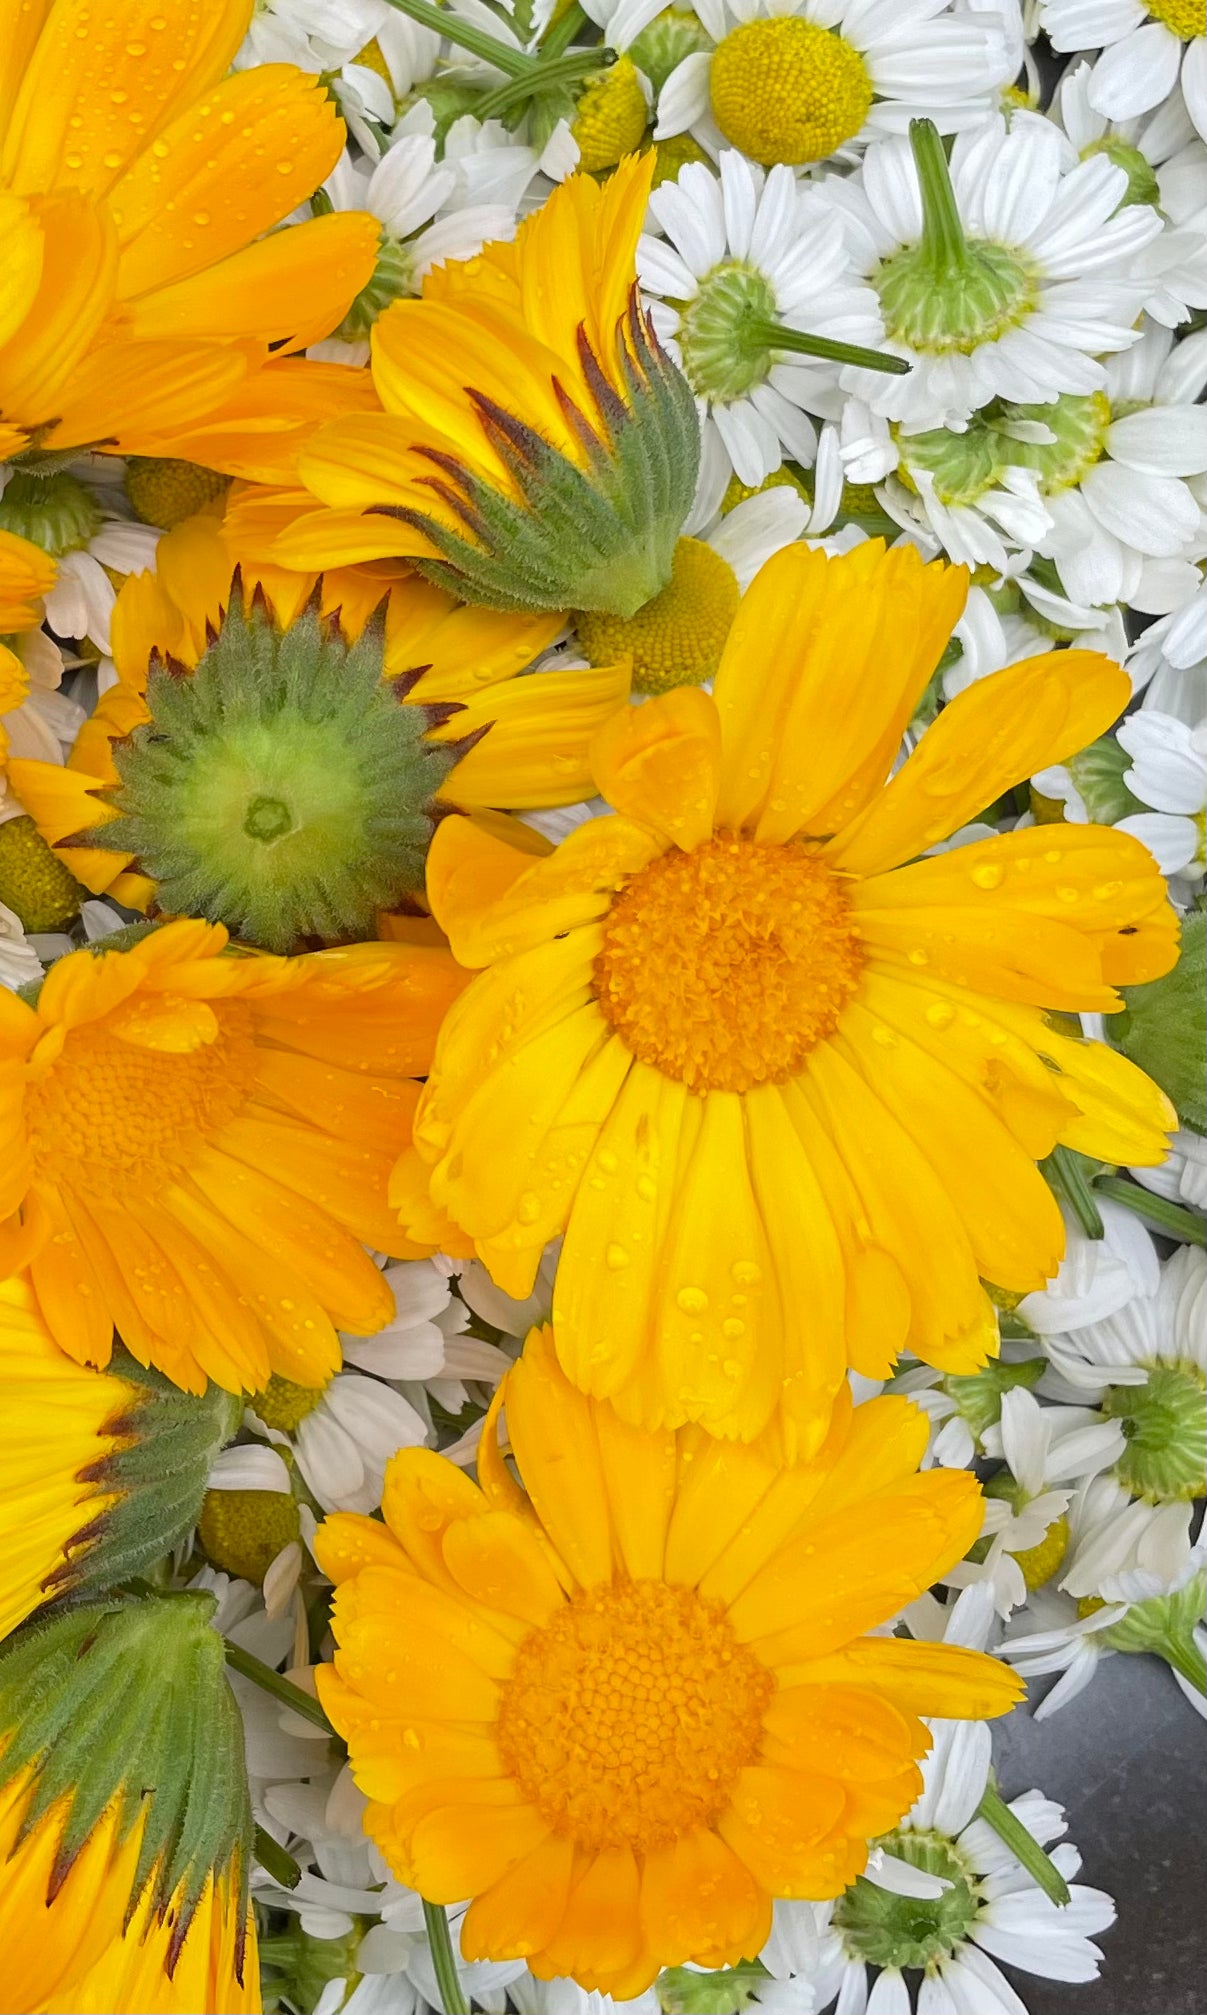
[[692, 1300], [616, 1258], [987, 875]]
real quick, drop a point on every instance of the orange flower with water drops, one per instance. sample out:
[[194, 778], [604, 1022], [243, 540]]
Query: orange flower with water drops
[[781, 1076], [626, 1703], [196, 1147], [149, 303]]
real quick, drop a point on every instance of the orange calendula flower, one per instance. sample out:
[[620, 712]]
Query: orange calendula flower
[[781, 1079], [519, 743], [625, 1706], [148, 303], [537, 450], [196, 1144]]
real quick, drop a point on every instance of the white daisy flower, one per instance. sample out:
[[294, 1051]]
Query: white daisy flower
[[794, 81], [1166, 165], [342, 1434], [565, 1997], [315, 35], [249, 1467], [1047, 1449], [68, 518], [428, 212], [750, 269], [1147, 49], [1124, 1548], [1097, 1278], [19, 961], [1072, 1637], [990, 1908], [1160, 1333], [1002, 276], [1169, 662], [1168, 772], [401, 57]]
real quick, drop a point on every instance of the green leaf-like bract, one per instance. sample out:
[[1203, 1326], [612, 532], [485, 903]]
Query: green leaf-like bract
[[1164, 1027], [281, 789], [166, 1441], [127, 1701], [599, 537]]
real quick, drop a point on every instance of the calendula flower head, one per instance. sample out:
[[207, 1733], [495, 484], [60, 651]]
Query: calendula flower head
[[444, 708], [781, 1082], [280, 787], [537, 450], [625, 1705], [203, 1143], [149, 291], [124, 1813], [102, 1471]]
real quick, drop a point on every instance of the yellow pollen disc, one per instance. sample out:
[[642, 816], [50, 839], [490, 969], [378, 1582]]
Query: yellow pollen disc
[[611, 118], [787, 90], [627, 1719], [1187, 18], [165, 492], [109, 1107], [781, 479], [1089, 1605], [678, 637], [34, 883], [1039, 1563], [283, 1404], [371, 58], [725, 966], [242, 1531]]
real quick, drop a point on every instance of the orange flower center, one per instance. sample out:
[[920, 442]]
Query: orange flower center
[[627, 1719], [117, 1109], [725, 966]]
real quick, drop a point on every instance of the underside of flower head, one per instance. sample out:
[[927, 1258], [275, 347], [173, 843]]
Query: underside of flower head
[[597, 536], [280, 788]]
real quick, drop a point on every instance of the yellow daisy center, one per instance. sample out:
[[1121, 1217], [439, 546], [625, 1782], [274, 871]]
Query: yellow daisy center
[[116, 1108], [787, 90], [1186, 18], [1040, 1562], [678, 637], [611, 118], [627, 1719], [34, 883], [725, 966], [283, 1404], [242, 1531], [164, 492]]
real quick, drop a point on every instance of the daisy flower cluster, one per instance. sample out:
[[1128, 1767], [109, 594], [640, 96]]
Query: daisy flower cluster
[[603, 762]]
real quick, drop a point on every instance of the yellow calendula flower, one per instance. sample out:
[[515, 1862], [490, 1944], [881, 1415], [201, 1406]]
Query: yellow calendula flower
[[196, 1147], [625, 1706], [780, 1080], [537, 449], [147, 295], [483, 736]]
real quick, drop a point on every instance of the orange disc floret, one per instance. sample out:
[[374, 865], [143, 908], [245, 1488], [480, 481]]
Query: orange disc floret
[[198, 1146], [626, 1703]]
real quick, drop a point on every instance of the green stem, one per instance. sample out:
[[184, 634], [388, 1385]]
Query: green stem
[[942, 231], [448, 1980], [466, 36], [564, 30], [272, 1856], [994, 1810], [282, 1689], [773, 335], [1066, 1174], [1185, 1657], [566, 69], [1159, 1211]]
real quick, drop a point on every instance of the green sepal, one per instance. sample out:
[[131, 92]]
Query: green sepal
[[296, 1966], [1163, 1027], [282, 788], [600, 537], [1166, 1624], [978, 1396], [167, 1440], [683, 1991], [1097, 772], [127, 1701]]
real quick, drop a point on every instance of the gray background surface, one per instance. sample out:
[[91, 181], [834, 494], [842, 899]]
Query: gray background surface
[[1128, 1760]]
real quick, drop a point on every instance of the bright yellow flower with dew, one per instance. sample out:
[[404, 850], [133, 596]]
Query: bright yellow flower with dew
[[196, 1148], [147, 301], [781, 1080], [624, 1707], [496, 739], [537, 449]]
